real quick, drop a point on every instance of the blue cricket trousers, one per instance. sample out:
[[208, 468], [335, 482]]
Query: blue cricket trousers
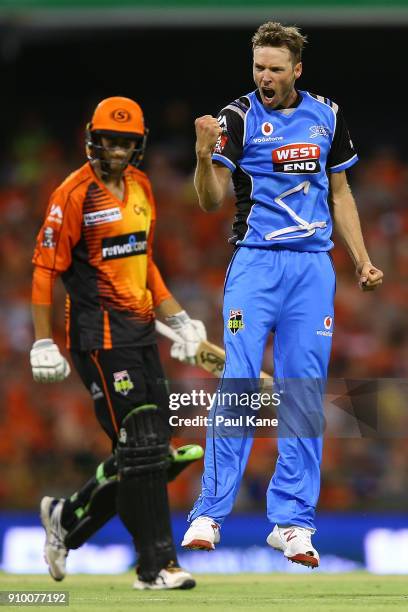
[[290, 293]]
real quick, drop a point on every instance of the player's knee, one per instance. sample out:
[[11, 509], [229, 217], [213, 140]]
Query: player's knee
[[143, 443]]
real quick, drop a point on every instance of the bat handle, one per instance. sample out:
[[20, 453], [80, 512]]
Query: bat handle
[[167, 332]]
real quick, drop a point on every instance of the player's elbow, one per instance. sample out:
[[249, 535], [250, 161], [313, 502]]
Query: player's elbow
[[209, 204], [209, 200]]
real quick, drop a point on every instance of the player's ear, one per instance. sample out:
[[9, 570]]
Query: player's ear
[[298, 69]]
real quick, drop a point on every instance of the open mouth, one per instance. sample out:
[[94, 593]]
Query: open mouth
[[268, 94]]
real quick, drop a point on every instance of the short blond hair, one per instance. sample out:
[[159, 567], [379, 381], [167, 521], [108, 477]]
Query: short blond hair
[[274, 34]]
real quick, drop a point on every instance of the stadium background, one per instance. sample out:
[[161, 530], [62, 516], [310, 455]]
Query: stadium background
[[56, 64]]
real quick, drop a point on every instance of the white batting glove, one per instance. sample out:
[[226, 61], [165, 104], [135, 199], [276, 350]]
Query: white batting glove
[[47, 363], [191, 331]]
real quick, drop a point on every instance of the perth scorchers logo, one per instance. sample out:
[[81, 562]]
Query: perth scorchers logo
[[299, 158], [121, 115]]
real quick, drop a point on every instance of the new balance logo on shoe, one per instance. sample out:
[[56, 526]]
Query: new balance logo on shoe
[[290, 535], [295, 543]]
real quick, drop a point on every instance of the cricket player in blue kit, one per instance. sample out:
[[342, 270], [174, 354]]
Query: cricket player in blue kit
[[287, 151]]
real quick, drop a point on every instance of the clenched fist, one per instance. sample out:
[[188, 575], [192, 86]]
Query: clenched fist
[[208, 131], [369, 277]]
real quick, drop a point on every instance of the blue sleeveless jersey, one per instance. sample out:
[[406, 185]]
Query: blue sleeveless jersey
[[280, 161]]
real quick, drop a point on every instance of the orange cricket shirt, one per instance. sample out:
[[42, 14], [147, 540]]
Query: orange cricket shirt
[[102, 248]]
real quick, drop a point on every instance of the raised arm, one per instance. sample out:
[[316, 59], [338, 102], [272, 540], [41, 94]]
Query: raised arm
[[211, 181], [347, 224]]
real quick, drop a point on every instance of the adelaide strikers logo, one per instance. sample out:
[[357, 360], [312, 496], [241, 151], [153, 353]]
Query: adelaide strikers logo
[[235, 321], [120, 115], [267, 128]]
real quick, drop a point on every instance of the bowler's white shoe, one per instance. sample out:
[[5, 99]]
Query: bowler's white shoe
[[167, 578], [203, 534], [55, 552], [295, 543]]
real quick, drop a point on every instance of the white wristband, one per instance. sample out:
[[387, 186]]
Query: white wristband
[[43, 343], [178, 320]]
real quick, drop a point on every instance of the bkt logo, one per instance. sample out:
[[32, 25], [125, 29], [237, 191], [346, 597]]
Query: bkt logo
[[299, 158], [126, 245]]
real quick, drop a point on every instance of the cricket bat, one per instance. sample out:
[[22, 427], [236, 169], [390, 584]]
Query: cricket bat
[[210, 357]]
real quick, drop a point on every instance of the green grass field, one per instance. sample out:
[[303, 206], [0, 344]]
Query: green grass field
[[314, 592]]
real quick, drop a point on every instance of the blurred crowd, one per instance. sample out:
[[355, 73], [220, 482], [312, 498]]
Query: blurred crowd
[[50, 441]]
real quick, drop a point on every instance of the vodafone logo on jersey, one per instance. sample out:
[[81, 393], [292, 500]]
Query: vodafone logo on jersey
[[297, 158], [328, 327], [267, 128], [328, 322]]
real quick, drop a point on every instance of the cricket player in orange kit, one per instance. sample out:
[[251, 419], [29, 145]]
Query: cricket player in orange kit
[[98, 236]]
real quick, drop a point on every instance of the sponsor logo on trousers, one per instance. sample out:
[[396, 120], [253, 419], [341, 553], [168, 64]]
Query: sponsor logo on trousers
[[328, 327], [235, 321], [122, 382]]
